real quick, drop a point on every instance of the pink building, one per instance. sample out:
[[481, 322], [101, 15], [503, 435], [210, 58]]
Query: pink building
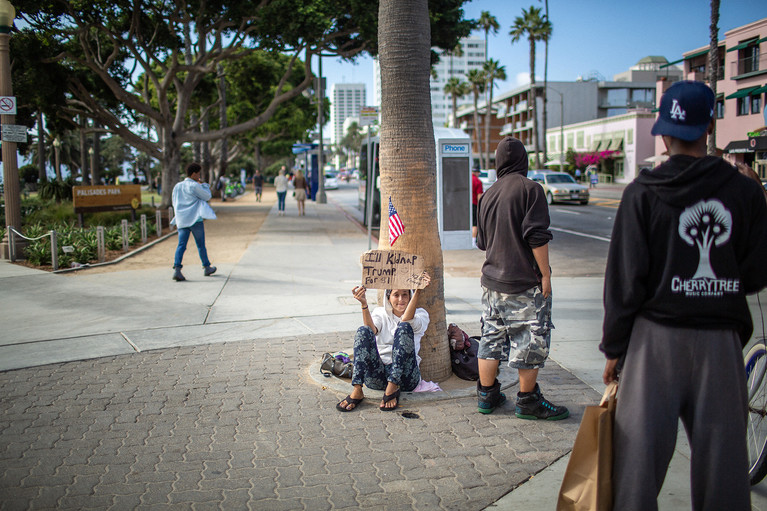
[[741, 131]]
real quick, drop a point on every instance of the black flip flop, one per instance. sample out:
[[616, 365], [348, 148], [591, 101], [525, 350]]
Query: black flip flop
[[349, 401], [387, 398]]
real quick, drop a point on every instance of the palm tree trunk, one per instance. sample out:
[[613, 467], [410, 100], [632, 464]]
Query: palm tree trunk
[[476, 129], [545, 94], [408, 165], [713, 65], [488, 119], [535, 103]]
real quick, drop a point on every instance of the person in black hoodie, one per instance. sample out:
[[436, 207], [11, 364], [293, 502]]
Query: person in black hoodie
[[513, 230], [689, 243]]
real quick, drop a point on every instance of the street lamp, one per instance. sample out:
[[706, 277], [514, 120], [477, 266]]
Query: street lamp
[[10, 166], [57, 157], [321, 198], [561, 128]]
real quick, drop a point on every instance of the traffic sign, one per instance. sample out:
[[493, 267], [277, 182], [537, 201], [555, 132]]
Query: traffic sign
[[368, 115], [7, 105], [14, 133]]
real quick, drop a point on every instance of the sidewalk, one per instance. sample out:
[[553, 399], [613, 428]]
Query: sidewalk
[[126, 389]]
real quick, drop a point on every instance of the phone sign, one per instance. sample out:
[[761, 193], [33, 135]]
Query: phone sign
[[455, 149]]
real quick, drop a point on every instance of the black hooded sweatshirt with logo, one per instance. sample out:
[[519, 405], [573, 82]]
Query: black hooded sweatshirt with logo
[[513, 218], [689, 242]]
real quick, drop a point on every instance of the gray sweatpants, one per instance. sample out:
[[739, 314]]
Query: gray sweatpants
[[695, 375]]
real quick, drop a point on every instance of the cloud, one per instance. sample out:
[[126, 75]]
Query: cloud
[[523, 78]]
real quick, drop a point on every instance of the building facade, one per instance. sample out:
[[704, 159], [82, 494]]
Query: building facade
[[741, 93], [451, 64], [346, 100], [569, 103]]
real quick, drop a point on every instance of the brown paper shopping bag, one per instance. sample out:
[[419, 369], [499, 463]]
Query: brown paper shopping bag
[[587, 484]]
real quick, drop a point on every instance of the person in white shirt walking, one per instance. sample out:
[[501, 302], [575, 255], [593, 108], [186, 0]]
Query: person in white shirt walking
[[190, 204]]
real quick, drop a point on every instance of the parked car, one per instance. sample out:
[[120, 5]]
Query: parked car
[[331, 180], [487, 177], [560, 186]]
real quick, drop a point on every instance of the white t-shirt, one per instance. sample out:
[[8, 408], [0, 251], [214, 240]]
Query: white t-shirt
[[386, 323]]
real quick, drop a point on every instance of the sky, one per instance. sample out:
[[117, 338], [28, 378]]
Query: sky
[[590, 37]]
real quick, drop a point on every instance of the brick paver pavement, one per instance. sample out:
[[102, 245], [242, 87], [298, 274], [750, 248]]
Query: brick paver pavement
[[242, 425]]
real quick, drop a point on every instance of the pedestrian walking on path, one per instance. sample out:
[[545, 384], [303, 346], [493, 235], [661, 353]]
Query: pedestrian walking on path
[[689, 242], [258, 184], [513, 230], [281, 187], [190, 204], [386, 347]]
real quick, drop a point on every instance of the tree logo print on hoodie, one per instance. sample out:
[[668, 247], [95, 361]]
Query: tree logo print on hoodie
[[705, 225]]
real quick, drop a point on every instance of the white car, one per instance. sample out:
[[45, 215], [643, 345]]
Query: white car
[[560, 186], [331, 181]]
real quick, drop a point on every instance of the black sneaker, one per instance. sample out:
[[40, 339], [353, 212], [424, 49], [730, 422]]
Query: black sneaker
[[534, 406], [488, 399]]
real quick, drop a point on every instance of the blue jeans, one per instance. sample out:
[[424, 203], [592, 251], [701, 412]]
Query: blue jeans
[[281, 200], [198, 231], [370, 370]]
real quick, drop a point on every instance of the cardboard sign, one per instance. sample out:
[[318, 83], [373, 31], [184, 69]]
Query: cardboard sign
[[390, 269], [106, 198]]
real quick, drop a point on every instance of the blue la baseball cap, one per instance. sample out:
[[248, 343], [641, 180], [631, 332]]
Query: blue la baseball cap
[[686, 110]]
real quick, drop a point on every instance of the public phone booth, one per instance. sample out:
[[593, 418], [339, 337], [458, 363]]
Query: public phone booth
[[453, 187], [453, 151]]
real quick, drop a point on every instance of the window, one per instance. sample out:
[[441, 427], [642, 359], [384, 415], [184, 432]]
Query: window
[[743, 106], [756, 103], [749, 58], [719, 109]]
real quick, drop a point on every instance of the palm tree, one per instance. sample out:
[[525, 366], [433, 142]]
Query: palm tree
[[493, 71], [546, 85], [713, 64], [408, 160], [535, 28], [477, 80], [488, 23], [457, 89]]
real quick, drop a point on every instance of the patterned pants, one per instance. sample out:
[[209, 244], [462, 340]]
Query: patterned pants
[[370, 370], [517, 323]]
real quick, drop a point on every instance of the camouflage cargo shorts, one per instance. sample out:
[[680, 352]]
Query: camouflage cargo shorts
[[516, 327]]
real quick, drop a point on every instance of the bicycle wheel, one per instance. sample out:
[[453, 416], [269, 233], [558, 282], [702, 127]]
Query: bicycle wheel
[[756, 435]]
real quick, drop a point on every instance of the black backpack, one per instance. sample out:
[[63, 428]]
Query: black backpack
[[464, 362]]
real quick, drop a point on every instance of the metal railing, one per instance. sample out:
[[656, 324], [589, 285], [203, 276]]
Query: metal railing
[[54, 245]]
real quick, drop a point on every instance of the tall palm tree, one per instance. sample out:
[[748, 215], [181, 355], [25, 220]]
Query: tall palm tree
[[488, 23], [477, 80], [457, 89], [534, 27], [408, 160], [493, 71], [713, 64], [546, 84]]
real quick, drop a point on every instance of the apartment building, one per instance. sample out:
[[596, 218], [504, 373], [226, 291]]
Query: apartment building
[[451, 64], [569, 103], [741, 93], [346, 100]]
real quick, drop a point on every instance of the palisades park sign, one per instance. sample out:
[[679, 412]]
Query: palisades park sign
[[391, 269], [88, 199]]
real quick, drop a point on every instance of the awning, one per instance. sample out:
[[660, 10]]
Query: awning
[[747, 43], [595, 146], [742, 93], [738, 146], [760, 90], [602, 146], [688, 57], [616, 144]]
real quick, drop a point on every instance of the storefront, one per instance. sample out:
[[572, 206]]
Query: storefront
[[752, 152]]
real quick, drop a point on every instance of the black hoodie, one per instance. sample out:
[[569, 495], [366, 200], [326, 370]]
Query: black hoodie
[[513, 218], [689, 242]]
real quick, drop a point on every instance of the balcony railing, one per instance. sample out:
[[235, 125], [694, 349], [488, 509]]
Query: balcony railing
[[748, 65]]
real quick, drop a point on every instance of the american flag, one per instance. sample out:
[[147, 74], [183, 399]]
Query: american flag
[[395, 224]]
